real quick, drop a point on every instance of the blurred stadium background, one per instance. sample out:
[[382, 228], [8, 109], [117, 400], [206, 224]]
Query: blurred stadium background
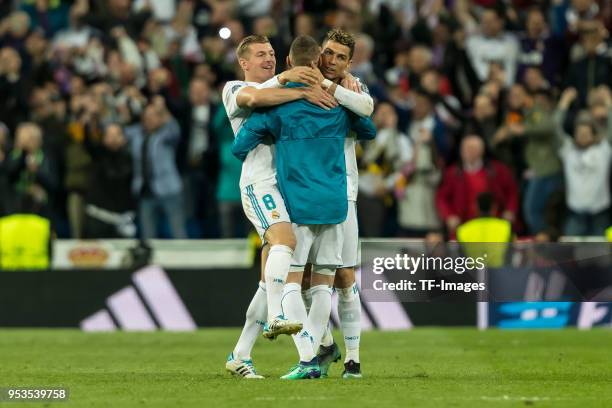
[[82, 247]]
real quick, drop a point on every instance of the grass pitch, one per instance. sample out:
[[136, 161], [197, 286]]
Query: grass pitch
[[419, 368]]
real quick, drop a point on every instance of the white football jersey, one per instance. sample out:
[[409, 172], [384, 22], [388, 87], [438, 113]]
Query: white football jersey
[[259, 164]]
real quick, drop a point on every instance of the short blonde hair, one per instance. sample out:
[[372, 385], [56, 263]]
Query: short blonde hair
[[243, 48]]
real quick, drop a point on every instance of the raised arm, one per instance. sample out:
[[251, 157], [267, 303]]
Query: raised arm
[[251, 134], [567, 97]]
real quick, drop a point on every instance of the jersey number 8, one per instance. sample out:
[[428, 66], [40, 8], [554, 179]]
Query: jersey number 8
[[269, 202]]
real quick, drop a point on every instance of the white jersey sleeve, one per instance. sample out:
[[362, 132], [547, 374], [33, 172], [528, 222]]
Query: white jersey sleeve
[[350, 157], [229, 94], [259, 166]]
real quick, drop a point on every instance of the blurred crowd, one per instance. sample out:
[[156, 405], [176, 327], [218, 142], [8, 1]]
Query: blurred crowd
[[111, 122]]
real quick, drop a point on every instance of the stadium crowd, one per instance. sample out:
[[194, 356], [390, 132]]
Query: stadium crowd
[[111, 109]]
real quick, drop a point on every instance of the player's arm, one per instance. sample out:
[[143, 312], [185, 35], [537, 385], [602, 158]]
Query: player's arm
[[251, 134], [364, 128], [360, 103], [271, 93]]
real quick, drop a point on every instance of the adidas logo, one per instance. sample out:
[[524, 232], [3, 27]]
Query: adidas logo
[[151, 303]]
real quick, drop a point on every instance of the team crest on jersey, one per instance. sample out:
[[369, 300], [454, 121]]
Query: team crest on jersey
[[275, 215], [235, 88]]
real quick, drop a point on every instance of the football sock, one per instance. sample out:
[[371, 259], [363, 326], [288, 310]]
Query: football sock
[[349, 310], [318, 318], [276, 271], [255, 319], [294, 309]]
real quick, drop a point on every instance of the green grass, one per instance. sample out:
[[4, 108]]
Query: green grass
[[424, 367]]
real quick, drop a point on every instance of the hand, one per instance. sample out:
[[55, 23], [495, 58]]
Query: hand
[[567, 97], [516, 129], [425, 136], [303, 75], [604, 91], [501, 135], [508, 216], [118, 32], [318, 96], [452, 222], [31, 163], [351, 83]]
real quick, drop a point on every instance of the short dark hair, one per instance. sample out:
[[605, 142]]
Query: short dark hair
[[342, 37], [304, 50], [243, 48]]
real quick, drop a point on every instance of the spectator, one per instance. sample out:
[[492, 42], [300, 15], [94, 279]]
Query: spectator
[[586, 163], [199, 158], [32, 177], [380, 164], [4, 152], [424, 118], [156, 183], [50, 16], [484, 120], [417, 188], [493, 46], [539, 48], [14, 88], [594, 62], [109, 201], [231, 216], [464, 181], [543, 173]]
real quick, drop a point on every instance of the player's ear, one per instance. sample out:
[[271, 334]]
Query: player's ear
[[243, 63], [289, 62]]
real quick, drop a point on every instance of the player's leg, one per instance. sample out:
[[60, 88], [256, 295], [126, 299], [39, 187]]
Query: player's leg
[[239, 361], [322, 279], [294, 309], [349, 304], [282, 243], [269, 206], [349, 310]]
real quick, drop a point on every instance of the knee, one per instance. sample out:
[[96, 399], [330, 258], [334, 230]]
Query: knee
[[345, 278], [281, 234]]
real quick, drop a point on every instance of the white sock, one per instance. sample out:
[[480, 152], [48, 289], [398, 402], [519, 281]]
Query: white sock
[[255, 319], [318, 318], [294, 309], [349, 310], [328, 338], [276, 271]]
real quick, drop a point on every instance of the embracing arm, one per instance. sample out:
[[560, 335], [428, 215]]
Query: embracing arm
[[364, 128], [251, 134], [272, 93], [360, 103]]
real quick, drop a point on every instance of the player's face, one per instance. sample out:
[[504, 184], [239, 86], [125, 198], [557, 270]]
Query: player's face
[[260, 64], [335, 60]]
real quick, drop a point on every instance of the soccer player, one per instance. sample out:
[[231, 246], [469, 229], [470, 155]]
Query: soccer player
[[261, 200], [338, 47], [311, 175]]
